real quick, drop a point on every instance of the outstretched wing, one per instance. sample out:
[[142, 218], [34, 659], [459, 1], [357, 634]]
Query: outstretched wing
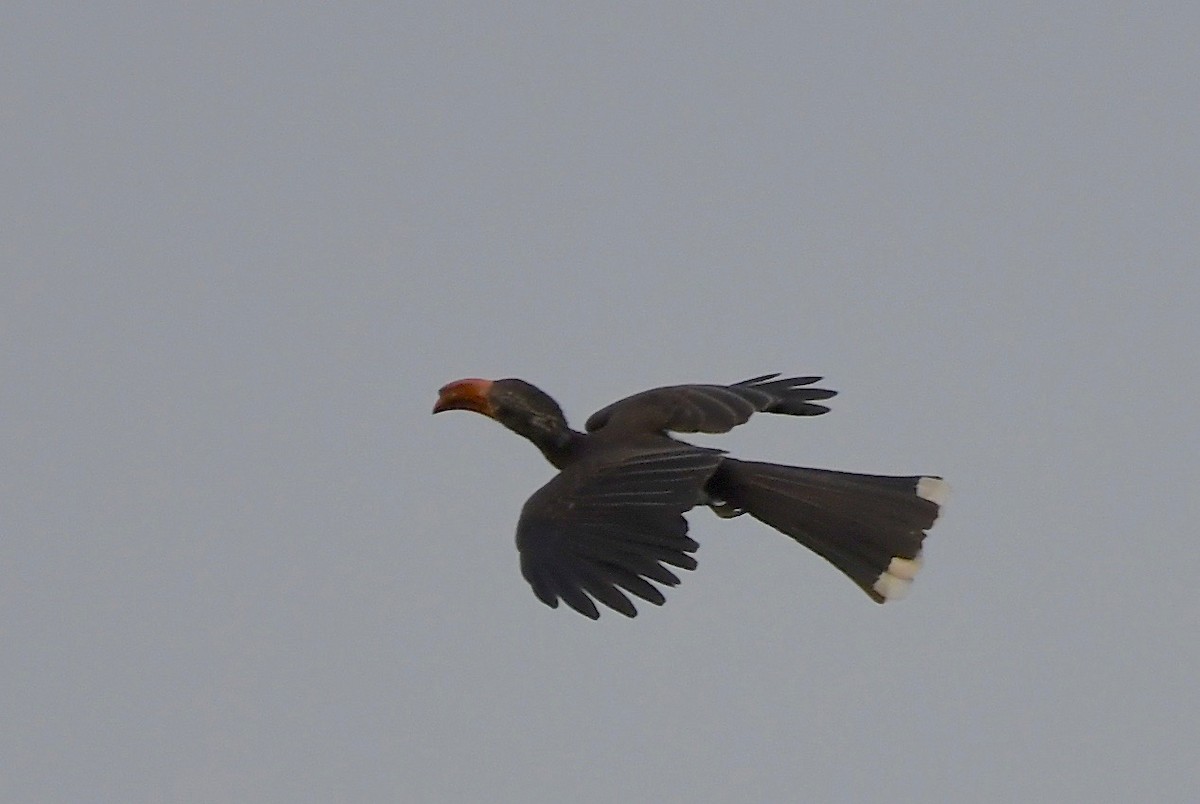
[[602, 528], [711, 408]]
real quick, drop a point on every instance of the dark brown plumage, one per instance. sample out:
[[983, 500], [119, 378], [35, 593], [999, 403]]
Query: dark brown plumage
[[612, 520]]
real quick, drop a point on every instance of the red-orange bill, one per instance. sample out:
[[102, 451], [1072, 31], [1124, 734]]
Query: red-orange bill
[[469, 394]]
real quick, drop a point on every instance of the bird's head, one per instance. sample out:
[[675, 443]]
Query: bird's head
[[523, 408]]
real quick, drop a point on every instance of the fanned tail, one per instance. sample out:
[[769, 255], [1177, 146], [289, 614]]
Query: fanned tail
[[868, 526]]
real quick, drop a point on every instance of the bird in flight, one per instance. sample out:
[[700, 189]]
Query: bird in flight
[[611, 520]]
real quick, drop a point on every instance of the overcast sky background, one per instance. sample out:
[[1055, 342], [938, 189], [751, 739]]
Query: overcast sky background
[[243, 246]]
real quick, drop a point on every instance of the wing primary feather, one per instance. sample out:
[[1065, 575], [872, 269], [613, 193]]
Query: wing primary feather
[[576, 598], [544, 589], [604, 591], [756, 380], [633, 583]]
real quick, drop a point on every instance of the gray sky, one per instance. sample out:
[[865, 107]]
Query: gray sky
[[243, 247]]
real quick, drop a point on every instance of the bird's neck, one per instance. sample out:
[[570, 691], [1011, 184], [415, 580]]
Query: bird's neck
[[553, 438], [558, 446], [550, 434]]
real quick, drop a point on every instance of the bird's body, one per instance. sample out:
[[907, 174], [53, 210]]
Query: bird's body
[[612, 519]]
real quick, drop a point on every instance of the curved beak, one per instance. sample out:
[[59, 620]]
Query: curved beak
[[469, 394]]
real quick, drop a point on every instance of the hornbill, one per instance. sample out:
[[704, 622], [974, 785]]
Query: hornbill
[[612, 517]]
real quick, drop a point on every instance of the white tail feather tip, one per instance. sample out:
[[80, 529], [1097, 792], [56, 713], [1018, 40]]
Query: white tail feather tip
[[891, 587], [904, 568], [933, 489], [893, 584]]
